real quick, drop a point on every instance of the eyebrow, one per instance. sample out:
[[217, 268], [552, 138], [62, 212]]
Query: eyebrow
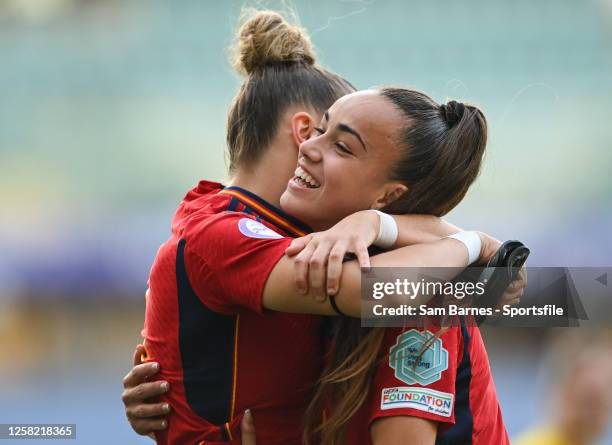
[[346, 128]]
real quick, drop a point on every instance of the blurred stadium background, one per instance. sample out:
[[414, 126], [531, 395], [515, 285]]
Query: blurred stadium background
[[110, 110]]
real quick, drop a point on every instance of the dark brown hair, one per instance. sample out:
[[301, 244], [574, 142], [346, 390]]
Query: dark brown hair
[[442, 147], [279, 64]]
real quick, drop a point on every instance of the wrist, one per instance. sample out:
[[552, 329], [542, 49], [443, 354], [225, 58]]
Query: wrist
[[483, 245], [373, 223], [367, 224], [490, 245], [387, 230], [473, 242]]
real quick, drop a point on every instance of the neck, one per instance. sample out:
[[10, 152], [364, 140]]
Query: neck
[[268, 177], [267, 180]]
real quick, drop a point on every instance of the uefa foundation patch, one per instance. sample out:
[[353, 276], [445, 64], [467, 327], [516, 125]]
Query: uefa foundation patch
[[423, 399], [255, 229], [418, 358]]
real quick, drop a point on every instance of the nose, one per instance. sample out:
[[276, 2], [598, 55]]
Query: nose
[[310, 151]]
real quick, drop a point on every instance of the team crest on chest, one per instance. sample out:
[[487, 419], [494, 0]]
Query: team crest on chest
[[255, 229], [413, 364]]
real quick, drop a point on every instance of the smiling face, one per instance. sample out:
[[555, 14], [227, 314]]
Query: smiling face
[[345, 166]]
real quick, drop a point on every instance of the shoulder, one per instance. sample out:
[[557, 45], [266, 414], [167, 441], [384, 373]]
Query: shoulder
[[229, 226], [231, 238]]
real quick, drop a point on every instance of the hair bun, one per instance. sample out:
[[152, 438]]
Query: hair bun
[[266, 38], [452, 112]]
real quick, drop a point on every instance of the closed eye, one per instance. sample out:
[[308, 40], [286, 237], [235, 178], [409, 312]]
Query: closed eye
[[343, 148], [339, 145]]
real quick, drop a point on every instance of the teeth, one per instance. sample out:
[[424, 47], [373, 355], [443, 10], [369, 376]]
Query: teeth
[[300, 173]]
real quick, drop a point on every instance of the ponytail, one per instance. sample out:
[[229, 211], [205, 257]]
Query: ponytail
[[442, 147]]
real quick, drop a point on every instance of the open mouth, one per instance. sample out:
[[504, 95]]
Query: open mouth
[[304, 179]]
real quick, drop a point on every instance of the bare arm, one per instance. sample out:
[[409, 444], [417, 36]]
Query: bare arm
[[280, 292], [365, 224], [321, 254], [416, 229], [400, 430]]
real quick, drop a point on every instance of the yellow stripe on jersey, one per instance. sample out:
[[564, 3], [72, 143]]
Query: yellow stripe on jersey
[[261, 209]]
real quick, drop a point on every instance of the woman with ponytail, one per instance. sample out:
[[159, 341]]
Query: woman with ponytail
[[219, 286], [437, 152]]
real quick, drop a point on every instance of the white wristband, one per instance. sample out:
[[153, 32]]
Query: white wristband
[[471, 240], [387, 232]]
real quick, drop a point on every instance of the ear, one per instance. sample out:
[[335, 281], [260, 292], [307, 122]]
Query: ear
[[301, 127], [390, 193]]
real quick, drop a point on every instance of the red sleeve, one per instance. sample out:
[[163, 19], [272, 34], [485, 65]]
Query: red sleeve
[[406, 385], [229, 259]]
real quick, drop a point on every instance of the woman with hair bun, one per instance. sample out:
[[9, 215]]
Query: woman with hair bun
[[218, 347], [225, 318]]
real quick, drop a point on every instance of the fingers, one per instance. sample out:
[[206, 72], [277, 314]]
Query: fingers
[[247, 428], [139, 353], [523, 275], [145, 427], [515, 285], [297, 245], [334, 266], [514, 302], [512, 292], [515, 290], [148, 410], [363, 256], [145, 418], [301, 265], [140, 373], [510, 300], [520, 282], [317, 270], [510, 297], [143, 392]]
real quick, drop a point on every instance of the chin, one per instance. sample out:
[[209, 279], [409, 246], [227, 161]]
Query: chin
[[290, 204], [285, 201], [297, 208]]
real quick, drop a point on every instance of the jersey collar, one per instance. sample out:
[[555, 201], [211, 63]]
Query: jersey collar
[[272, 214]]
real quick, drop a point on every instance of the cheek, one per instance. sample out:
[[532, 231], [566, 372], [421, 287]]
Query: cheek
[[350, 185]]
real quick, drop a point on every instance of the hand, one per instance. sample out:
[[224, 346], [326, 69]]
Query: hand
[[247, 428], [145, 416], [319, 256], [515, 290]]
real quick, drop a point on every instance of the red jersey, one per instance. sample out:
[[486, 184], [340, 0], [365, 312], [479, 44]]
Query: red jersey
[[448, 382], [223, 353], [220, 350]]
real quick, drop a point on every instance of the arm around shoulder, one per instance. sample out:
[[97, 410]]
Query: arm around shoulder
[[281, 294]]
